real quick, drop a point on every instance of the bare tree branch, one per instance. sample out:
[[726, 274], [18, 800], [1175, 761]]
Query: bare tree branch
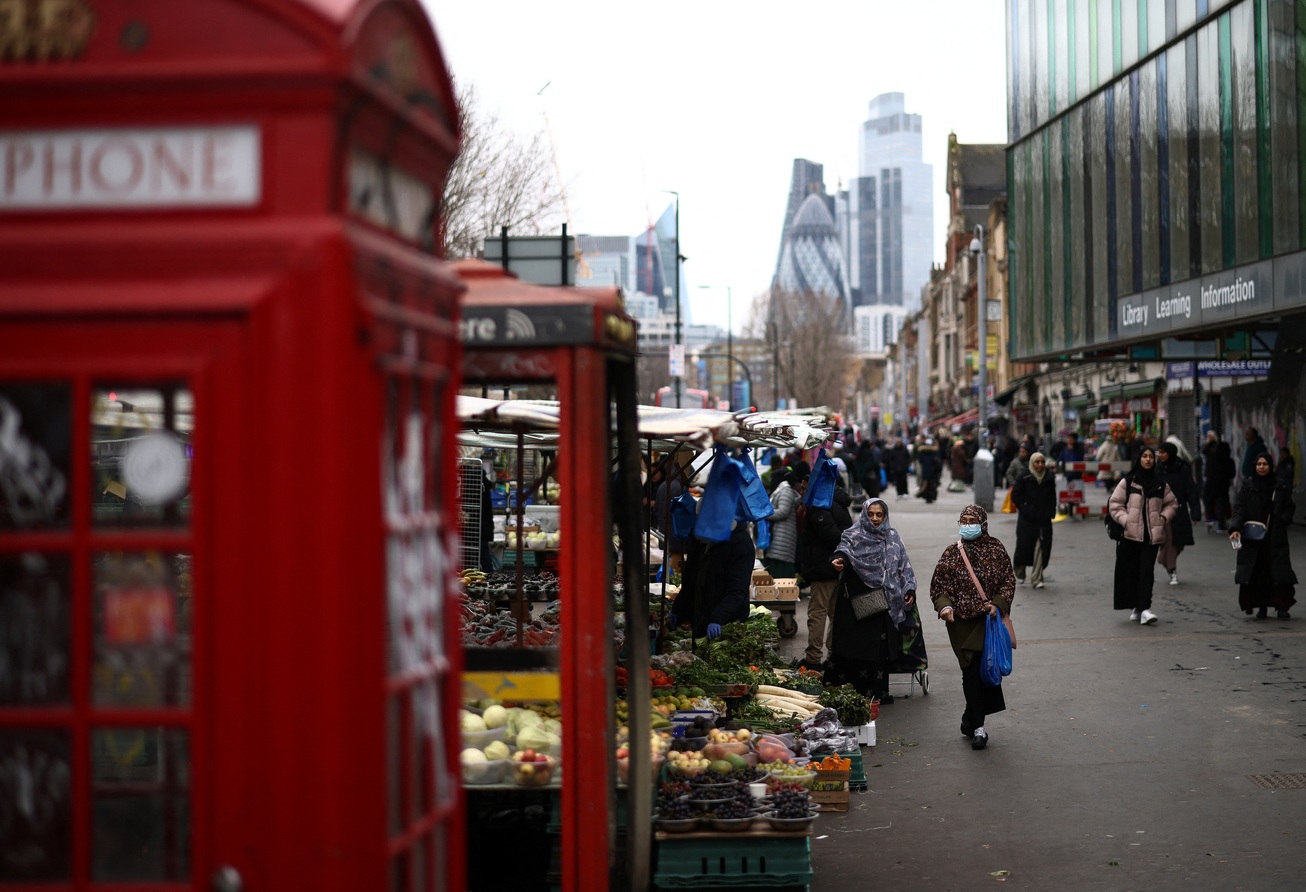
[[500, 178], [814, 347]]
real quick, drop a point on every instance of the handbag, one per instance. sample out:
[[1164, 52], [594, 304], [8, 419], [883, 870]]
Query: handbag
[[1114, 529], [995, 659], [1254, 531], [1008, 506], [1006, 618], [868, 604]]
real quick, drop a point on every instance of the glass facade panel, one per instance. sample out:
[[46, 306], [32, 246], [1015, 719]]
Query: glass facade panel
[[1156, 24], [1059, 37], [35, 837], [1149, 175], [1106, 31], [1079, 238], [1129, 33], [1122, 152], [1056, 319], [35, 634], [1098, 247], [1286, 151], [142, 639], [35, 436], [1039, 246], [140, 805], [1025, 53], [141, 448], [1246, 148], [1185, 14], [1176, 113], [1208, 130], [1038, 32], [1083, 49]]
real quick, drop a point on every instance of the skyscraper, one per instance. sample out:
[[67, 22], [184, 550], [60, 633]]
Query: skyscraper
[[811, 261], [886, 216]]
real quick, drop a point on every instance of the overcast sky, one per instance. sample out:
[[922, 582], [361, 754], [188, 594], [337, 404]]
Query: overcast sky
[[715, 98]]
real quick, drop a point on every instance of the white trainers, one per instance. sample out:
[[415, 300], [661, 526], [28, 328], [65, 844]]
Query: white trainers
[[1134, 617], [1174, 578], [1148, 618], [1038, 585]]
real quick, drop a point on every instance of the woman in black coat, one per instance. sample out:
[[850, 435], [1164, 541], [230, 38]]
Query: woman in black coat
[[1035, 498], [1219, 477], [1178, 475], [1264, 571]]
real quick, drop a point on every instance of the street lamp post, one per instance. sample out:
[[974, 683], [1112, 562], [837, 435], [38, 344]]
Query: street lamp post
[[678, 381], [977, 248], [730, 346]]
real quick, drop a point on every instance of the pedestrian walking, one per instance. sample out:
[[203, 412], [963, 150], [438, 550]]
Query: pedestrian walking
[[1254, 449], [1035, 497], [1219, 473], [1018, 466], [818, 536], [899, 463], [1262, 512], [963, 607], [930, 468], [779, 560], [871, 556], [1178, 475], [1145, 507]]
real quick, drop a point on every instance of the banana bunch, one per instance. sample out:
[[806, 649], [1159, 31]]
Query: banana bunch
[[472, 574]]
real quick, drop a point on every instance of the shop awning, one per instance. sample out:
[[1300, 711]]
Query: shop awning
[[1004, 396], [487, 422], [1135, 388]]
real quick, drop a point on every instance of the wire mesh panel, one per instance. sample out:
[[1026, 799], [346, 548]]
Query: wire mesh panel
[[471, 477]]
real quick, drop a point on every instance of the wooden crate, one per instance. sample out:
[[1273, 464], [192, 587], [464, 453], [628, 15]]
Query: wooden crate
[[831, 800]]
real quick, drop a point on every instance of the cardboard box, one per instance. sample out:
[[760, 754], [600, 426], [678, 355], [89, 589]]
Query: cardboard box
[[764, 593], [786, 590], [831, 800], [762, 577]]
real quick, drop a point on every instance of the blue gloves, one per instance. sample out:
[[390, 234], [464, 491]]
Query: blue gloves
[[672, 621], [713, 631]]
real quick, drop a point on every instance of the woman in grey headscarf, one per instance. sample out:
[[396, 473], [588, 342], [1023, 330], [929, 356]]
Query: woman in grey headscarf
[[871, 555]]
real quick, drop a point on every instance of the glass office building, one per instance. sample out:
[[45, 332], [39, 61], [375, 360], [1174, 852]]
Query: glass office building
[[1156, 161]]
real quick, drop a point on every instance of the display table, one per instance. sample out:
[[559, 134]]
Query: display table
[[757, 858]]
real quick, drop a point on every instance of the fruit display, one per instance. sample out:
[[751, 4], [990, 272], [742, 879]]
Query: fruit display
[[532, 769], [484, 626], [791, 801], [687, 763]]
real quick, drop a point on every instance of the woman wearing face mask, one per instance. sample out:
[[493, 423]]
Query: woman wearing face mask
[[1145, 507], [1035, 498], [1264, 573], [963, 607], [871, 556]]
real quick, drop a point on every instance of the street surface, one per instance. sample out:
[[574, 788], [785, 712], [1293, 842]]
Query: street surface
[[1124, 758]]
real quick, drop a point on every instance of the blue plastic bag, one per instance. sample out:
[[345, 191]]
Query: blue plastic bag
[[763, 534], [821, 483], [995, 659], [716, 514], [684, 513], [754, 503]]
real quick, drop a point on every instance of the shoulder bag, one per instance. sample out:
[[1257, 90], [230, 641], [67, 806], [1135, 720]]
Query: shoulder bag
[[1006, 618], [867, 604]]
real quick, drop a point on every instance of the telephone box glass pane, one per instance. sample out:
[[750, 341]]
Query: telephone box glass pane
[[140, 808], [142, 630], [35, 838], [141, 449], [35, 438], [34, 629]]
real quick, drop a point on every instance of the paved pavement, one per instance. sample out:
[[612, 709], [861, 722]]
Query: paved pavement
[[1124, 758]]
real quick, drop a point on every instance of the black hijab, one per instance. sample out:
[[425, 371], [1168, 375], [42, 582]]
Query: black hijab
[[1147, 479], [1263, 483]]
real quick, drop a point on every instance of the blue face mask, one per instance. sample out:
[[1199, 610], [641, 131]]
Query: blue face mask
[[970, 530]]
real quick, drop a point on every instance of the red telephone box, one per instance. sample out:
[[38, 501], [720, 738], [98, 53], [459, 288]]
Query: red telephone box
[[228, 361]]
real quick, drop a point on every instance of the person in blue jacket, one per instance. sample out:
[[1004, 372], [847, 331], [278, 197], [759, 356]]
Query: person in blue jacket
[[714, 583]]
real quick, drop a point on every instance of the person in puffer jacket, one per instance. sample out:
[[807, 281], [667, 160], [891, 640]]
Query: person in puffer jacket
[[1145, 507], [780, 554]]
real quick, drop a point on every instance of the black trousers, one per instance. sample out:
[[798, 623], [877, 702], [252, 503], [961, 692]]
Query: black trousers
[[981, 700]]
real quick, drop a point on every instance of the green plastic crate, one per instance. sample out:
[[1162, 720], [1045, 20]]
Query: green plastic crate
[[717, 862], [857, 775]]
